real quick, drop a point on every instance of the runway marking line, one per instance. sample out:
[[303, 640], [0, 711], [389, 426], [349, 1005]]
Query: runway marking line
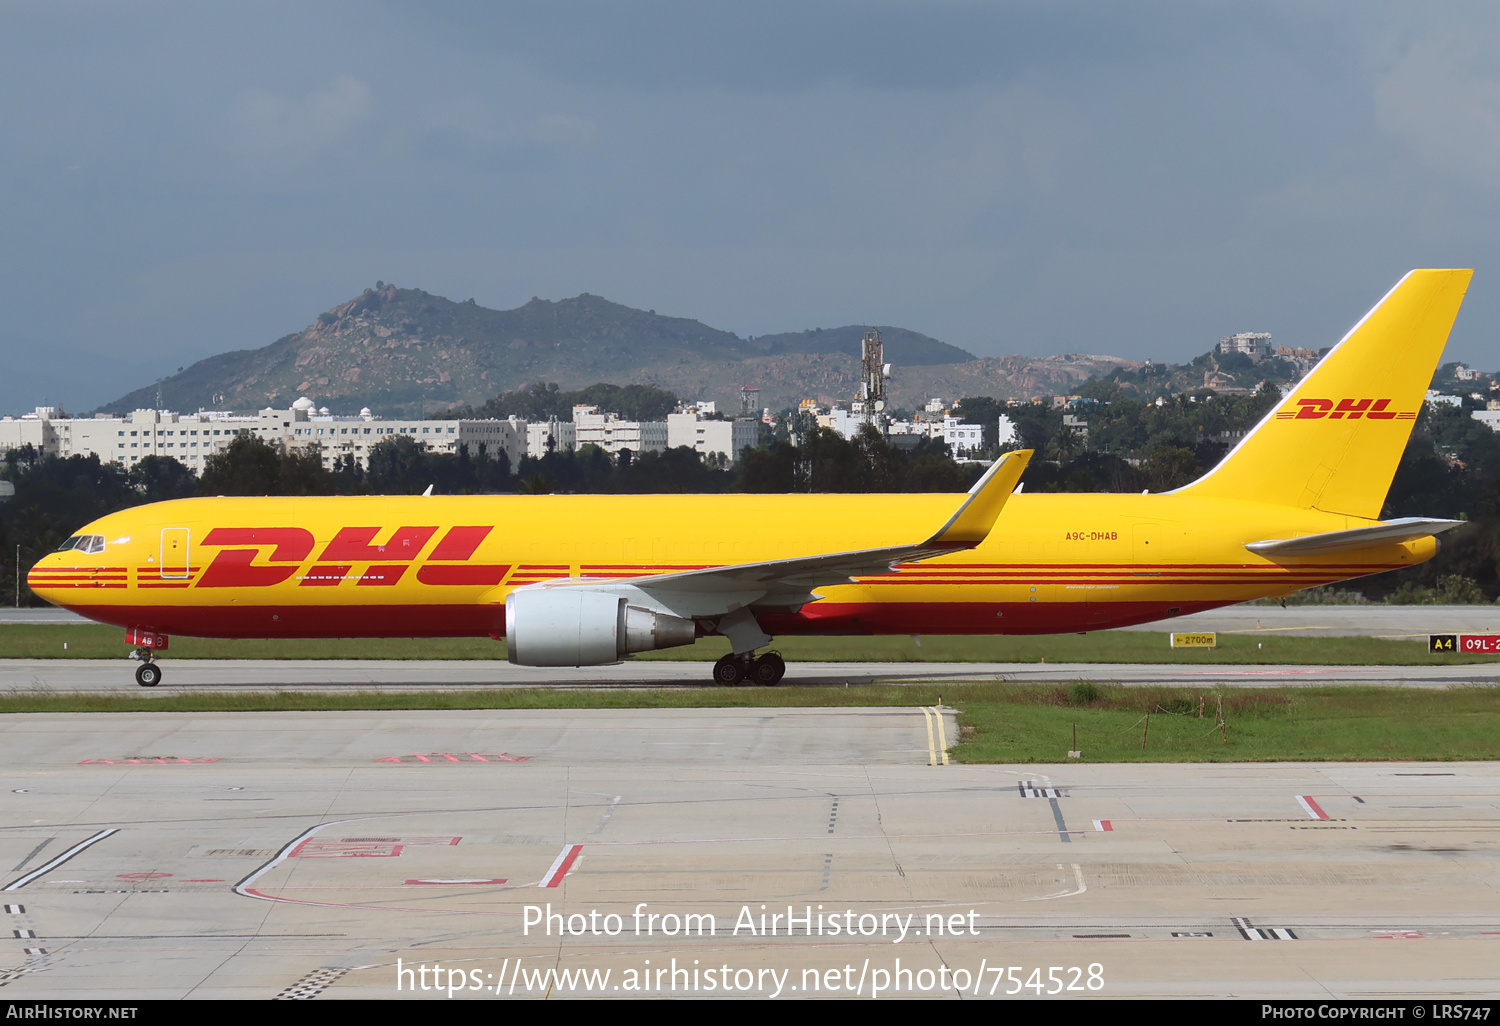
[[937, 747], [1103, 825], [47, 867], [1311, 806], [561, 865]]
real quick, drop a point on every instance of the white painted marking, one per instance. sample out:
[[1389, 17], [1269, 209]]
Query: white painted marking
[[561, 865], [17, 884], [1311, 807], [1103, 825]]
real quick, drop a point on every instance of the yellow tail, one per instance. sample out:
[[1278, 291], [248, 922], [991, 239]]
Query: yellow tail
[[1333, 443]]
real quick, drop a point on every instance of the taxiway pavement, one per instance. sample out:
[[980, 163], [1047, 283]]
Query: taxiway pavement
[[117, 676], [320, 855]]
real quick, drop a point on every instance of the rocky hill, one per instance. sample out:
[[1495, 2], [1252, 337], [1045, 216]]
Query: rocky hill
[[393, 348]]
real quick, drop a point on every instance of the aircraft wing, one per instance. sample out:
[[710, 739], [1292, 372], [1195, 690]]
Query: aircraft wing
[[968, 526], [1405, 529]]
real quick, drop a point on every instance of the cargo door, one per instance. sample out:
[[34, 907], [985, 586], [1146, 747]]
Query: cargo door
[[174, 552]]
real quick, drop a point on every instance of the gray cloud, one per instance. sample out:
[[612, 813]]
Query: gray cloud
[[182, 179]]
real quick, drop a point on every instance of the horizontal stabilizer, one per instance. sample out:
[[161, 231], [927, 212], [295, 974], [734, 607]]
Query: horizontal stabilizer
[[1387, 533]]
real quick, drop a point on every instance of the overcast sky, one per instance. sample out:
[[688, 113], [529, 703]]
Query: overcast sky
[[181, 179]]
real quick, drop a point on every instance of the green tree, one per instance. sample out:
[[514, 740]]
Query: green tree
[[399, 465], [246, 466], [161, 477]]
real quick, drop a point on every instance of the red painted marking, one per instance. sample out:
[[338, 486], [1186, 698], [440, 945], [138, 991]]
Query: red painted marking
[[1317, 810], [381, 576], [462, 574], [203, 881], [234, 568], [316, 849], [560, 868], [352, 544], [460, 543], [292, 544], [146, 637], [451, 883]]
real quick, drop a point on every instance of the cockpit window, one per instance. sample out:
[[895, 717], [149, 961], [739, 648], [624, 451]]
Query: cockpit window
[[90, 544]]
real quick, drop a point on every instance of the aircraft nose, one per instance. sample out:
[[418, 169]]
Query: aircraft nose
[[56, 575]]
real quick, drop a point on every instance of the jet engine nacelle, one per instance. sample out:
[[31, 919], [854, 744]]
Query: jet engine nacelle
[[580, 627]]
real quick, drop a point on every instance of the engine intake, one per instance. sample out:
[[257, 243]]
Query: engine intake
[[580, 627]]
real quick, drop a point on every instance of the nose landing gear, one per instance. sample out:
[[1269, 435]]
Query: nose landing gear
[[735, 669], [148, 642], [148, 674]]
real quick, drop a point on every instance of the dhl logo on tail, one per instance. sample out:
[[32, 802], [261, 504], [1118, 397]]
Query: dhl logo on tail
[[1353, 409]]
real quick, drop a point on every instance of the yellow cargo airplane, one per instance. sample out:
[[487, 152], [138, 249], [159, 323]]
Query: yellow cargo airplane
[[583, 580]]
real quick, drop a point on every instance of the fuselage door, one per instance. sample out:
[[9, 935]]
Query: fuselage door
[[174, 552]]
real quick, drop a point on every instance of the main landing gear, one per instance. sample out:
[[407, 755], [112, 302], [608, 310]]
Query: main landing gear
[[736, 669], [148, 674]]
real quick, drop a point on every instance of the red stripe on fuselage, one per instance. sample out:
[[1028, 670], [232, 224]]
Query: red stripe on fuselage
[[464, 620]]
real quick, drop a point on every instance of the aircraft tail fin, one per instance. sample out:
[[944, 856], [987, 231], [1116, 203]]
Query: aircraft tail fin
[[1333, 442]]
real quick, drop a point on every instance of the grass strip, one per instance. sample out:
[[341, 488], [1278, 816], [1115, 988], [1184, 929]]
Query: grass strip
[[998, 723], [95, 641]]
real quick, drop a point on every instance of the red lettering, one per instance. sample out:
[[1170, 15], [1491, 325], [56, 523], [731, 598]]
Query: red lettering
[[1313, 409], [1378, 411], [460, 542], [1348, 406], [292, 543], [464, 573], [381, 576], [352, 544], [233, 568]]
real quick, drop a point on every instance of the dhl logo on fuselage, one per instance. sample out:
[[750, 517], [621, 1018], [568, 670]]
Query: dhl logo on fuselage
[[1343, 409], [385, 563]]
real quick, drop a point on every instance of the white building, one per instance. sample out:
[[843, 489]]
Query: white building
[[1254, 344], [190, 438], [610, 433], [1489, 418], [340, 437], [963, 439], [705, 437], [547, 436]]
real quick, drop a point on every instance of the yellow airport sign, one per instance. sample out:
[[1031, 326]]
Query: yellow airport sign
[[1199, 640]]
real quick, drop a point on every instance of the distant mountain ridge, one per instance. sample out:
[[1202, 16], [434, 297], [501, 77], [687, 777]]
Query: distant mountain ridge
[[393, 348]]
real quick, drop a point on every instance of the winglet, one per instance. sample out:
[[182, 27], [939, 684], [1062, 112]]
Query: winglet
[[971, 524]]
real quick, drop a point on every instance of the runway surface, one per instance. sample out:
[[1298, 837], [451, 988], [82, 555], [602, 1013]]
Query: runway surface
[[304, 855], [117, 676]]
